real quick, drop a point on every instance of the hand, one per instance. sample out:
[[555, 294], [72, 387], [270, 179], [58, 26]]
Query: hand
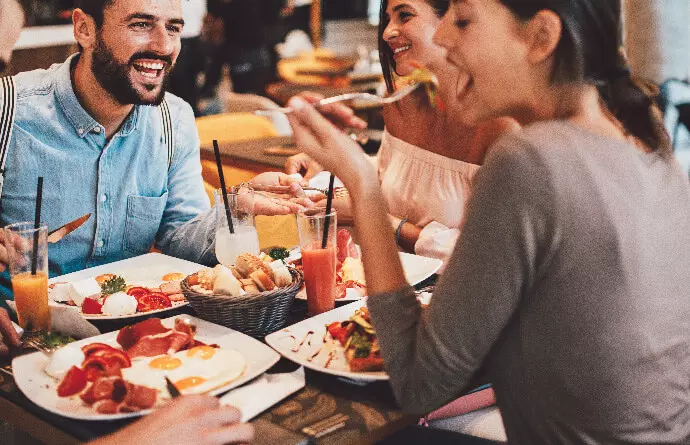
[[8, 242], [343, 206], [338, 113], [268, 204], [332, 148], [8, 336], [303, 164], [191, 419], [276, 178]]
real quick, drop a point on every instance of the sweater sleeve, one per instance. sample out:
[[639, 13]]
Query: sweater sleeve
[[431, 355]]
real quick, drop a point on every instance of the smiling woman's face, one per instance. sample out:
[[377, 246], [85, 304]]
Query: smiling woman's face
[[409, 33], [484, 42]]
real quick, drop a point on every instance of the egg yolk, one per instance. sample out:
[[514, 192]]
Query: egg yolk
[[189, 382], [204, 352], [166, 363]]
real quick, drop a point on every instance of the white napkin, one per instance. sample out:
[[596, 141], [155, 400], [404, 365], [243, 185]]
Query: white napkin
[[264, 392], [67, 320]]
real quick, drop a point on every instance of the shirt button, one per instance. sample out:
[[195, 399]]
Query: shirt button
[[97, 130], [104, 198], [80, 131], [101, 243]]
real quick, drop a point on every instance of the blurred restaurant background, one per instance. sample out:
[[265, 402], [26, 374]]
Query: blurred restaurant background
[[243, 55]]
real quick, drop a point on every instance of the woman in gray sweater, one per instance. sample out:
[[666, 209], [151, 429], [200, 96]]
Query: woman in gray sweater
[[570, 285]]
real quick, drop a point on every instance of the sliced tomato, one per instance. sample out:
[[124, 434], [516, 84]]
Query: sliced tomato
[[115, 356], [91, 348], [91, 307], [95, 367], [153, 301], [137, 292], [73, 382]]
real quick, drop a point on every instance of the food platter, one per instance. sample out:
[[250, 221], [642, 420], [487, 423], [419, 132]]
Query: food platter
[[41, 389], [314, 351], [143, 271], [417, 269]]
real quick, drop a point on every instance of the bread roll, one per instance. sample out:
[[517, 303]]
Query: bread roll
[[282, 276], [262, 280], [247, 264], [225, 282]]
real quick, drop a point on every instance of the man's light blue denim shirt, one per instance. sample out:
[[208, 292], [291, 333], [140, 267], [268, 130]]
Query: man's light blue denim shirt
[[136, 201]]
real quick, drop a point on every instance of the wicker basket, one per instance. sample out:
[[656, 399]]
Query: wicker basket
[[257, 314]]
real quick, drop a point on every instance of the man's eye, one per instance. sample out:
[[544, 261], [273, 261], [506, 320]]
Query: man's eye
[[174, 29], [139, 25]]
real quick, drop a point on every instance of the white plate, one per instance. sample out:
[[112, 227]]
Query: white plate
[[286, 339], [145, 270], [417, 269], [41, 389]]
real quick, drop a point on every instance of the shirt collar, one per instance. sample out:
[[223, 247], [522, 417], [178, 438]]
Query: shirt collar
[[81, 120]]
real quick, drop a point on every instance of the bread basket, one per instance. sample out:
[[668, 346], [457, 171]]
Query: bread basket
[[256, 315]]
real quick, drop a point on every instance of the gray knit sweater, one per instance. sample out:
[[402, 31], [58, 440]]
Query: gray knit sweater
[[570, 286]]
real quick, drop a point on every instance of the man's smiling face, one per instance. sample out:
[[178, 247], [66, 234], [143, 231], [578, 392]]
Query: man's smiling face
[[136, 48]]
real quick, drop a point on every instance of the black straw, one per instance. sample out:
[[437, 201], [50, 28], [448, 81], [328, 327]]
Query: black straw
[[329, 203], [228, 214], [37, 224]]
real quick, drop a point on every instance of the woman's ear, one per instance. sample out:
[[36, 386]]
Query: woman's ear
[[84, 28], [543, 34]]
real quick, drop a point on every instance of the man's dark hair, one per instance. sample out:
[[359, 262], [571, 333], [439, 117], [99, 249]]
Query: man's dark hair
[[94, 8]]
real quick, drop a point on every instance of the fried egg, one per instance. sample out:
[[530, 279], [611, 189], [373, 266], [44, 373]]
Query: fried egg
[[195, 371]]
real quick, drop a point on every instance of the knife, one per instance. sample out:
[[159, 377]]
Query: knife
[[57, 234], [172, 389]]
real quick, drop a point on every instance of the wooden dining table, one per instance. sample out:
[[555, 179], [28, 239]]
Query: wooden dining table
[[369, 408]]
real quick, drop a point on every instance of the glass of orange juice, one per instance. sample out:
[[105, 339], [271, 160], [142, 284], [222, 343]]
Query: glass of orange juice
[[29, 280], [318, 263]]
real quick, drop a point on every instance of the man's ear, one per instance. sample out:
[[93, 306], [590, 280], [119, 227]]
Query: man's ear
[[84, 28], [543, 34]]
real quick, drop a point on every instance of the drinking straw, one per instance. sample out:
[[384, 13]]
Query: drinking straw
[[224, 192], [329, 202], [37, 223]]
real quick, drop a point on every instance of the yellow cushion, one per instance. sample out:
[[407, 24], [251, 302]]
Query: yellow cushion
[[233, 127]]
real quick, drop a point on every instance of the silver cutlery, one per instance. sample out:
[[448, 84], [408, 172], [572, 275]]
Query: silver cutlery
[[364, 97]]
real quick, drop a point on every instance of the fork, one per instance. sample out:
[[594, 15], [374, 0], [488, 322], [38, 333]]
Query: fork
[[367, 97]]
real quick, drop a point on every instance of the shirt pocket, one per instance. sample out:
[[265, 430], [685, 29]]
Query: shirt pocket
[[144, 215]]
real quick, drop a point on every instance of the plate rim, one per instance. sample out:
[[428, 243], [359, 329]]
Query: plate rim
[[244, 379], [435, 268], [108, 266]]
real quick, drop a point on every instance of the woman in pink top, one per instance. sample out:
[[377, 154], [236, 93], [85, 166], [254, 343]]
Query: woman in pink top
[[424, 176]]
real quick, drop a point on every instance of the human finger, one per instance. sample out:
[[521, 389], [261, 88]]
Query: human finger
[[338, 113], [295, 164], [221, 416], [313, 170], [234, 434], [9, 335], [323, 130]]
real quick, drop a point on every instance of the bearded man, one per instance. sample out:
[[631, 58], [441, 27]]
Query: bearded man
[[108, 139]]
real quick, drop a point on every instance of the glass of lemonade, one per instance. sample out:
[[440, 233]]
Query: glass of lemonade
[[30, 289], [244, 239], [318, 263]]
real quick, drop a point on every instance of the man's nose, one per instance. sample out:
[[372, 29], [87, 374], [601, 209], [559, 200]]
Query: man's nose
[[162, 42]]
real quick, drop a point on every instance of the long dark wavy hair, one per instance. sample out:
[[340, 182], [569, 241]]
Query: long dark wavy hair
[[590, 51], [385, 54]]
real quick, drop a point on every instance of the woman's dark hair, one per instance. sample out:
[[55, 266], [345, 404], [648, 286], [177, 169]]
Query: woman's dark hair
[[590, 51], [385, 54]]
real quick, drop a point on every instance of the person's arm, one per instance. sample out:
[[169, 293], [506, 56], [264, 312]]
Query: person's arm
[[431, 356], [8, 336], [188, 226], [198, 420]]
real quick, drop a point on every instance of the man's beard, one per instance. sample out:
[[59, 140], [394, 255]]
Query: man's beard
[[114, 76]]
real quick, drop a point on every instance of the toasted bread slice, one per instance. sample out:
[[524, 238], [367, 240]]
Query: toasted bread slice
[[262, 280]]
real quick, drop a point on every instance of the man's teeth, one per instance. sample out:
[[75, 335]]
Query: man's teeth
[[401, 49], [150, 65]]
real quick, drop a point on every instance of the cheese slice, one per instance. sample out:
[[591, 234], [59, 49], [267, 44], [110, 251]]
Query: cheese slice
[[79, 290]]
